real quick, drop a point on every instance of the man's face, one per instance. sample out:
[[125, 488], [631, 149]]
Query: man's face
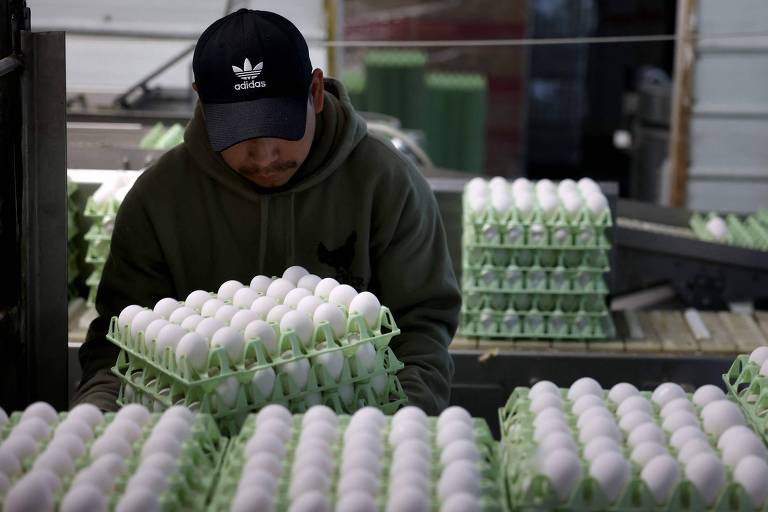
[[269, 162]]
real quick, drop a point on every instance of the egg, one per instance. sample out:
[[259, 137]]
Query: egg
[[632, 419], [548, 203], [249, 499], [208, 327], [545, 428], [588, 185], [454, 432], [752, 474], [21, 444], [454, 414], [127, 315], [245, 297], [260, 284], [379, 384], [264, 442], [142, 320], [258, 478], [368, 306], [310, 501], [309, 282], [599, 427], [277, 313], [125, 429], [196, 299], [572, 203], [410, 413], [190, 323], [309, 304], [110, 444], [459, 476], [497, 183], [693, 448], [210, 307], [365, 357], [97, 478], [369, 415], [621, 392], [545, 401], [361, 481], [524, 203], [297, 371], [679, 419], [718, 416], [181, 314], [295, 273], [225, 313], [263, 382], [563, 470], [661, 474], [325, 287], [76, 427], [678, 404], [228, 289], [666, 392], [36, 428], [591, 413], [28, 494], [757, 356], [242, 317], [138, 500], [334, 316], [300, 324], [342, 295], [742, 445], [262, 306], [274, 411], [322, 429], [557, 441], [359, 439], [332, 362], [682, 435], [295, 296], [177, 427], [477, 203], [161, 461], [717, 228], [87, 413], [634, 403], [319, 413], [410, 498], [585, 402], [709, 393], [408, 479], [9, 463], [645, 432], [162, 442], [407, 429], [599, 445], [265, 462], [279, 289], [645, 451], [413, 448], [707, 474], [461, 449], [361, 460], [548, 414], [596, 202], [111, 463], [231, 341], [308, 480], [462, 502], [168, 336], [40, 410], [227, 392], [611, 471], [83, 498], [476, 185], [584, 386], [541, 387], [501, 202], [151, 479], [264, 332], [545, 185]]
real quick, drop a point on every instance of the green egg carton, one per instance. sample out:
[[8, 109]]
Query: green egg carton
[[97, 252], [540, 302], [514, 279], [536, 325], [99, 232], [749, 388], [475, 255], [748, 232], [152, 136], [101, 211], [514, 235]]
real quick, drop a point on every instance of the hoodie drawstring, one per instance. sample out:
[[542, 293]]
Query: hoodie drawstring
[[263, 231], [292, 232]]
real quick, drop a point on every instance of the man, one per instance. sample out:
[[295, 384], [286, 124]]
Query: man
[[277, 169]]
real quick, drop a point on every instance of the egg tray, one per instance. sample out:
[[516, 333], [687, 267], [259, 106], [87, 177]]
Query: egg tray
[[584, 217], [508, 280], [535, 302], [573, 258], [537, 325], [107, 208], [744, 384], [518, 237], [188, 488], [97, 253], [525, 490], [235, 461], [748, 232]]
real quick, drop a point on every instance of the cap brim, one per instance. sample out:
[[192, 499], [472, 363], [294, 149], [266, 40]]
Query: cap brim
[[231, 123]]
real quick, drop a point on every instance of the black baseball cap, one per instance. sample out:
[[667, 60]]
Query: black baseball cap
[[252, 72]]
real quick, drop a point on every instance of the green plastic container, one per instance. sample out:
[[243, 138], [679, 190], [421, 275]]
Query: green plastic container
[[750, 232], [395, 85]]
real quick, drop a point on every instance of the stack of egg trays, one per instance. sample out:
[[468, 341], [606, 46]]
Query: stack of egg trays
[[98, 238], [189, 487], [536, 277], [527, 491], [749, 388], [158, 381], [235, 461], [72, 231], [748, 232]]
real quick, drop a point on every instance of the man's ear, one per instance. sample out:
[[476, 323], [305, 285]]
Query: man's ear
[[317, 90]]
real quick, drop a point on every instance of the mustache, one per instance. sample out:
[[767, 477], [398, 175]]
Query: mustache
[[275, 168]]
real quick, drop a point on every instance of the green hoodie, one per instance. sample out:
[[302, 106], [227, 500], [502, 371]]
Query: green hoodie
[[356, 210]]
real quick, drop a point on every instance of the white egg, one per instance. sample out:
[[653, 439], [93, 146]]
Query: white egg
[[543, 386], [599, 445], [138, 500], [264, 332], [368, 415], [110, 444], [361, 438], [409, 498], [563, 470], [556, 441], [56, 460], [572, 203], [250, 499], [309, 304], [458, 477], [476, 185], [225, 313], [191, 322], [263, 382], [409, 479], [274, 411], [584, 386], [645, 451], [142, 320], [453, 414], [681, 436], [127, 315], [752, 473], [361, 481], [678, 404], [742, 445], [320, 428], [719, 416], [342, 295], [361, 460], [548, 203], [585, 402], [242, 318], [634, 403], [36, 428], [295, 273], [645, 432], [709, 393], [732, 434], [661, 474], [588, 185], [245, 297], [522, 184], [97, 478], [410, 413], [693, 448], [257, 478], [611, 470], [21, 444], [410, 462], [758, 356], [413, 448], [40, 410], [151, 479], [679, 419], [310, 501], [524, 202], [231, 341], [279, 289], [210, 307], [88, 413], [477, 203], [300, 324], [368, 306], [596, 202], [227, 392], [161, 461], [501, 201], [334, 316], [545, 428], [111, 463], [297, 371], [260, 284], [9, 463], [76, 427], [295, 296], [228, 289], [365, 357], [153, 329], [276, 427], [621, 392], [332, 361], [717, 228], [83, 498], [264, 461], [545, 401], [277, 313], [591, 413], [264, 442], [666, 392], [124, 428], [162, 442], [308, 480], [181, 412], [546, 185], [707, 474], [461, 449], [454, 432], [181, 314], [262, 306], [462, 502], [169, 336], [632, 419], [407, 429], [208, 327], [193, 348], [196, 299], [28, 494], [497, 183], [319, 413], [598, 427], [309, 282], [325, 287], [379, 384]]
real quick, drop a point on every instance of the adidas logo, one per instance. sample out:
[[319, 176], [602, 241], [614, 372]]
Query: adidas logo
[[248, 73]]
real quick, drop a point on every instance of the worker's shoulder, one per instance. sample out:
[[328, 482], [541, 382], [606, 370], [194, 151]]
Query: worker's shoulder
[[381, 162]]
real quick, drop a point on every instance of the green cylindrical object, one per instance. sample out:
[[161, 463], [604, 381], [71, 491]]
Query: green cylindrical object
[[395, 85]]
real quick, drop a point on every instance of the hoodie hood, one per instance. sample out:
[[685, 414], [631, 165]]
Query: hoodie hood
[[339, 129]]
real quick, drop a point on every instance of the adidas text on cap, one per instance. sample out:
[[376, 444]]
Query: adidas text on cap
[[252, 73]]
